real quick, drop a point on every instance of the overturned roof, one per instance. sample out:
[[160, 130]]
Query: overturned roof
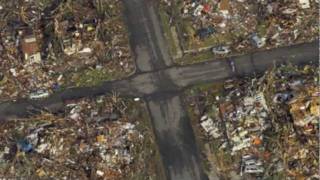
[[29, 45]]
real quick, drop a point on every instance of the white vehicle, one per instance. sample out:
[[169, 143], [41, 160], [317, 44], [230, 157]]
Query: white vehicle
[[257, 41], [221, 50], [253, 169], [289, 11], [233, 67], [39, 94], [246, 157], [136, 99], [253, 162]]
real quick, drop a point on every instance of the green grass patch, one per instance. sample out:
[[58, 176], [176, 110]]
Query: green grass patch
[[164, 18], [191, 58], [278, 176], [216, 40], [262, 29], [91, 77]]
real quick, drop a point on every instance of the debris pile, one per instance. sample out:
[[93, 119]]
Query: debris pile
[[47, 45], [243, 24], [269, 126], [92, 139]]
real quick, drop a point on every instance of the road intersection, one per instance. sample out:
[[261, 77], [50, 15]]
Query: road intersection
[[160, 83]]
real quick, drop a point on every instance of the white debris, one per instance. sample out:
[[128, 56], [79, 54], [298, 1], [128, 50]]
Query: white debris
[[222, 25], [248, 101], [100, 173], [13, 72], [86, 50], [41, 148], [75, 116], [136, 99], [208, 126], [6, 150], [289, 11], [204, 118], [243, 144], [305, 4], [39, 94], [128, 126], [197, 11], [296, 34], [60, 77]]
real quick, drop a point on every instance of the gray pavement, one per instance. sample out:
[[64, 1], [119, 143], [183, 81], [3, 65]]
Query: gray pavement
[[160, 83], [156, 86], [256, 62], [175, 139], [171, 126], [146, 37]]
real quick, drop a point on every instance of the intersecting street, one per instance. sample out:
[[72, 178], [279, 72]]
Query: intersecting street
[[160, 83]]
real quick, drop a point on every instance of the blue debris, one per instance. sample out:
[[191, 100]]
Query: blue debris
[[55, 86], [205, 32], [25, 146]]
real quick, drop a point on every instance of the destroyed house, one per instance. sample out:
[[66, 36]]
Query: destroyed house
[[30, 49], [226, 108], [8, 38], [68, 45]]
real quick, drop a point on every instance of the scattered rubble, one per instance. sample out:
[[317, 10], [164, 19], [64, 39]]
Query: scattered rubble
[[243, 25], [47, 45], [102, 138], [266, 126]]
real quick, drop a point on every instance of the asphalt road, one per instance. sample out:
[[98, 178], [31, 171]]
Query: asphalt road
[[175, 138], [256, 62], [146, 39], [175, 78], [160, 83], [171, 125], [161, 88]]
